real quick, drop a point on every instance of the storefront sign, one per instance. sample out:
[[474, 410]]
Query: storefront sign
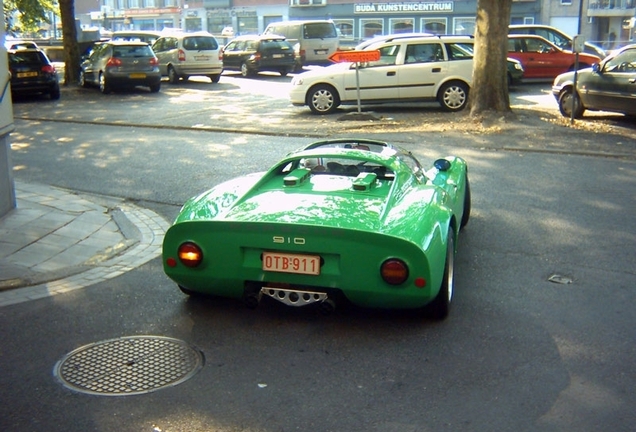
[[403, 7]]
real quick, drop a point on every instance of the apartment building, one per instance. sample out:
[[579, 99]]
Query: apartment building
[[606, 22]]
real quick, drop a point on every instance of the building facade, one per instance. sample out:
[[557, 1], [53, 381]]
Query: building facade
[[605, 22]]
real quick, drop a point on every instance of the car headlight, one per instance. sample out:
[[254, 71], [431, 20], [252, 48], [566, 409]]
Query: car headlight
[[518, 66]]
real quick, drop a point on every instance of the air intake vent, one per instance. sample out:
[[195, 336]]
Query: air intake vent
[[364, 181], [296, 177]]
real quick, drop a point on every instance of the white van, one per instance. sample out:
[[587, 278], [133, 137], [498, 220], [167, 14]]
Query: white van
[[314, 40]]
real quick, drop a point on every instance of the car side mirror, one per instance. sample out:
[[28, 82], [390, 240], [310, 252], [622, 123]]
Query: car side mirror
[[596, 68]]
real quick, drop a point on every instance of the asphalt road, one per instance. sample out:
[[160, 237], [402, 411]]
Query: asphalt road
[[518, 353]]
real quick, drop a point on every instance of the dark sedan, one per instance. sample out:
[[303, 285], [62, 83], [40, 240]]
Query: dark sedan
[[607, 86], [32, 73], [254, 54], [121, 64]]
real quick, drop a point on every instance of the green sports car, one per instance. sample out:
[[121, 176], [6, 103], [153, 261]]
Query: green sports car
[[344, 220]]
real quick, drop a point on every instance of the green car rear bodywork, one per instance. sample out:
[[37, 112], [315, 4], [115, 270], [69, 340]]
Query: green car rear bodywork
[[351, 223]]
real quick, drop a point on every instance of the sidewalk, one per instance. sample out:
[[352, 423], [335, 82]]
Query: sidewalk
[[56, 241]]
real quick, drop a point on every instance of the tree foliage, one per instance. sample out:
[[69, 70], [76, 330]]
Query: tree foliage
[[489, 91], [26, 16]]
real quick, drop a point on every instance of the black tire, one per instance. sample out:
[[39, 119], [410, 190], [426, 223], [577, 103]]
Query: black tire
[[55, 93], [173, 78], [245, 70], [565, 104], [155, 88], [323, 99], [215, 78], [188, 292], [82, 79], [283, 72], [467, 205], [453, 96], [440, 307], [104, 87]]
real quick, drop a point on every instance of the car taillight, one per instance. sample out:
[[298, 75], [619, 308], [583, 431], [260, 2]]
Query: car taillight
[[257, 56], [154, 61], [190, 254], [113, 61], [181, 55], [49, 69], [394, 271]]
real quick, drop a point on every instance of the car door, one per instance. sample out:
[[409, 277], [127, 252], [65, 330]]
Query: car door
[[378, 79], [614, 87], [231, 55], [540, 59], [163, 48], [93, 64], [424, 66]]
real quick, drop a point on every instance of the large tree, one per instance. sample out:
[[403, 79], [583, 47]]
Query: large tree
[[489, 92], [29, 17], [69, 35]]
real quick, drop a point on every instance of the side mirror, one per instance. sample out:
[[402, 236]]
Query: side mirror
[[596, 68]]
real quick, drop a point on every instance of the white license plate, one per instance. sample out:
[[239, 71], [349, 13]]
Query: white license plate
[[321, 51], [202, 58], [291, 263], [137, 75], [277, 56]]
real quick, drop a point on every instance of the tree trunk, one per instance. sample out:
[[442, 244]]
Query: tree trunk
[[489, 91], [69, 35]]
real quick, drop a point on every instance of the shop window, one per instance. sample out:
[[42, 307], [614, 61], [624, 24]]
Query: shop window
[[434, 25], [371, 28], [401, 25], [345, 28]]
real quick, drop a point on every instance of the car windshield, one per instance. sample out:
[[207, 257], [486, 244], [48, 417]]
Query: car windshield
[[26, 57], [132, 51], [200, 43], [339, 166]]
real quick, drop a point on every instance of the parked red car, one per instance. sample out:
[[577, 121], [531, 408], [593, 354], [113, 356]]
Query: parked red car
[[543, 59]]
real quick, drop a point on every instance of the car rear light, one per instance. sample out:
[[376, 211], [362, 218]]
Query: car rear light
[[113, 61], [154, 61], [190, 254], [257, 56], [49, 69], [394, 271], [182, 56]]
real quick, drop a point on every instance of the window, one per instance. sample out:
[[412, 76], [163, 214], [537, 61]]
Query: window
[[464, 26], [433, 25], [401, 25], [388, 55], [371, 28], [345, 28], [424, 53]]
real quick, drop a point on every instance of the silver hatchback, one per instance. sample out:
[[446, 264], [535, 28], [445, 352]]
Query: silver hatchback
[[185, 54], [121, 64]]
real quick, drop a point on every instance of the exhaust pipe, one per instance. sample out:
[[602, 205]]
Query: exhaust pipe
[[252, 300], [327, 307]]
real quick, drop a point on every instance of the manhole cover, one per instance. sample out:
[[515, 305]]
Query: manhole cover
[[129, 365]]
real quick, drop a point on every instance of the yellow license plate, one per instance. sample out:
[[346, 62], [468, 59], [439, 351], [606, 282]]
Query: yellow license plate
[[291, 263], [137, 75], [27, 74]]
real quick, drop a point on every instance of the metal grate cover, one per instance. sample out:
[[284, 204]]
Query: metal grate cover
[[129, 365]]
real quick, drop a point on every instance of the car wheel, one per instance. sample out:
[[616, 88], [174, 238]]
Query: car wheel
[[453, 96], [440, 307], [215, 78], [82, 79], [283, 72], [103, 84], [155, 88], [566, 99], [189, 292], [173, 78], [55, 93], [323, 99], [245, 71], [467, 205]]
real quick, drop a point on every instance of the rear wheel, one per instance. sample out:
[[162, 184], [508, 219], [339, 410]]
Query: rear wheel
[[453, 96], [283, 72], [104, 87], [55, 93], [155, 88], [214, 78], [566, 99], [323, 99], [82, 79], [440, 307], [173, 78], [245, 71]]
